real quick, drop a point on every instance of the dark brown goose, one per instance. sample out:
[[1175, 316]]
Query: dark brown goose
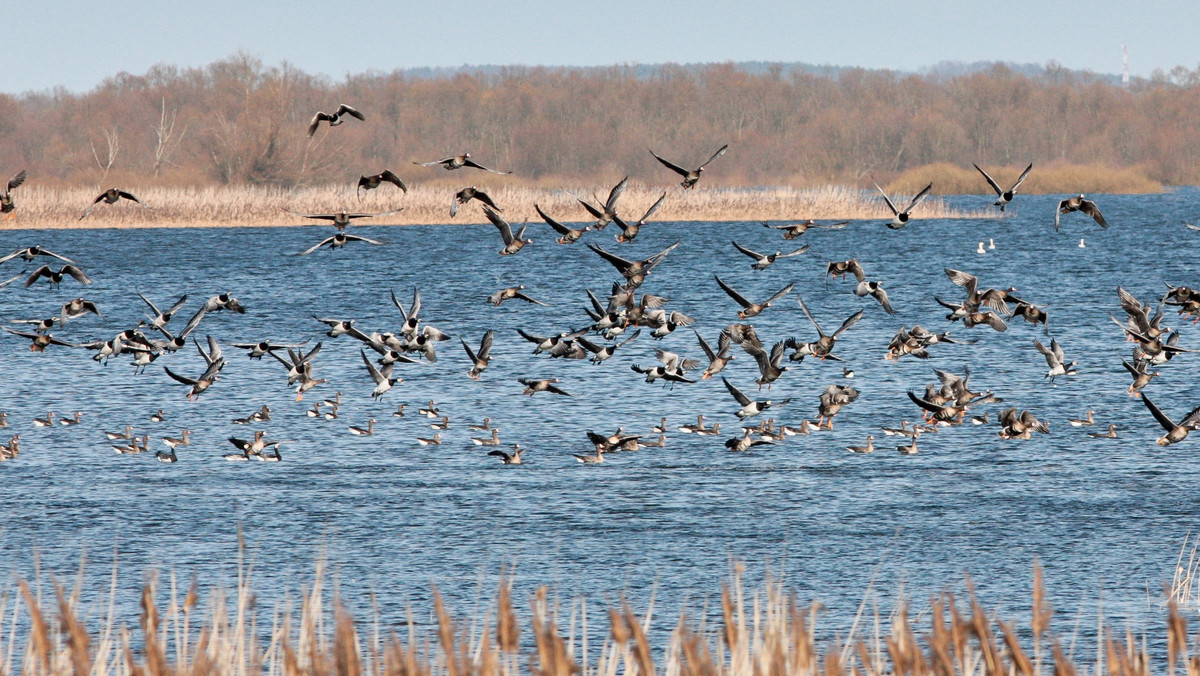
[[481, 359], [607, 210], [512, 243], [751, 309], [1079, 204], [40, 340], [823, 346], [794, 230], [1175, 433], [630, 230], [458, 162], [690, 176], [1140, 370], [831, 402], [546, 385], [466, 195], [634, 271], [6, 200], [334, 118], [342, 219], [56, 277], [375, 180], [1003, 197], [569, 235], [513, 292], [111, 196]]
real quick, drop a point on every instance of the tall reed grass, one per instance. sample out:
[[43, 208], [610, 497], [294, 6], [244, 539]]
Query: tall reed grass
[[429, 203], [754, 632], [1051, 179]]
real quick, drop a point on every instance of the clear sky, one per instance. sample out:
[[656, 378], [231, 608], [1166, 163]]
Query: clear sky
[[76, 44]]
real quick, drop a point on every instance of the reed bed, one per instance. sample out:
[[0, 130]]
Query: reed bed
[[753, 632], [1050, 179], [429, 203]]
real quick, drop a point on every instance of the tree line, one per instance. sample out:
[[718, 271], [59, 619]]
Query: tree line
[[237, 121]]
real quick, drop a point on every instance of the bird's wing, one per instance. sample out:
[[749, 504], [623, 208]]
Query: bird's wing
[[43, 271], [989, 180], [964, 279], [780, 294], [919, 198], [1158, 415], [749, 252], [619, 263], [887, 199], [129, 196], [1021, 178], [596, 213], [344, 109], [708, 351], [670, 165], [1191, 420], [316, 246], [472, 163], [797, 252], [179, 378], [850, 321], [376, 375], [501, 224], [855, 268], [881, 295], [153, 307], [653, 208], [800, 301], [16, 181], [527, 299], [359, 238], [933, 408], [1089, 207], [737, 394], [77, 274], [1058, 213], [395, 180], [737, 297], [444, 160], [558, 227], [614, 195], [717, 154]]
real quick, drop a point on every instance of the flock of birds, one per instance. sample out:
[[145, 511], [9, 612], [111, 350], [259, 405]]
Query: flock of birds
[[614, 321]]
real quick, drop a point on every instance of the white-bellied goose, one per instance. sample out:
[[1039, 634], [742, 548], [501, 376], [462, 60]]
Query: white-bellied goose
[[111, 196], [466, 195], [261, 348], [690, 176], [342, 219], [136, 445], [56, 277], [546, 344], [73, 420], [1079, 204], [749, 408], [749, 308], [1003, 197], [911, 447], [458, 162], [48, 421], [709, 431], [869, 448], [382, 376], [831, 402], [1058, 364], [1110, 434], [629, 231], [591, 459], [184, 439], [484, 426], [673, 369], [254, 446], [32, 252], [76, 308], [159, 319], [512, 292], [334, 119], [430, 410], [443, 424], [604, 352], [339, 240], [375, 180], [545, 385], [607, 210], [263, 414], [115, 436], [494, 440], [716, 360], [1175, 433], [399, 412], [794, 230], [569, 235], [513, 458], [479, 360], [901, 218], [512, 243], [435, 441], [367, 431], [6, 199], [763, 261]]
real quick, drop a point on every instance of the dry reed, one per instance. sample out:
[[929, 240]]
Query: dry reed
[[762, 632], [429, 203], [1050, 179]]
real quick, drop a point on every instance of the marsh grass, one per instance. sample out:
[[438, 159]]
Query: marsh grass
[[760, 631], [429, 203], [1050, 179]]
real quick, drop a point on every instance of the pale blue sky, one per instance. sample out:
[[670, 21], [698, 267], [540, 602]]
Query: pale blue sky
[[77, 44]]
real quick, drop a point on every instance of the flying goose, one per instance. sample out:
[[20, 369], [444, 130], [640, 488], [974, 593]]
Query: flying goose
[[1079, 204], [512, 292], [40, 340], [367, 431], [794, 230], [545, 385], [746, 442], [6, 199], [569, 235], [466, 195], [382, 377], [1055, 360], [217, 303], [513, 458], [32, 252], [716, 360], [751, 309], [604, 352], [458, 162], [831, 402], [901, 218], [630, 230], [1020, 425], [1003, 197], [342, 219], [823, 346], [673, 369], [375, 180], [607, 210], [1034, 314], [338, 240], [763, 261], [750, 408], [769, 364], [947, 410], [634, 272], [198, 385], [260, 349], [56, 278], [512, 243], [479, 360], [111, 196], [333, 119], [1175, 433], [690, 176], [1140, 370]]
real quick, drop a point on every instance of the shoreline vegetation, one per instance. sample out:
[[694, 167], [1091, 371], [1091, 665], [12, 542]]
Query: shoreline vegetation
[[753, 631], [429, 203]]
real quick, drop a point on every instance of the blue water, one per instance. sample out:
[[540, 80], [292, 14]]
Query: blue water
[[1105, 517]]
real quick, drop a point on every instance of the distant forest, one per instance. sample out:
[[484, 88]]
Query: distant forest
[[238, 121]]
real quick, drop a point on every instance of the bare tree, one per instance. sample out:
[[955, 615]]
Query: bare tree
[[167, 143], [114, 145]]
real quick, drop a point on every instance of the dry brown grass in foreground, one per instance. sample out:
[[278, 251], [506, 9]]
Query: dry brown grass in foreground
[[429, 203], [765, 632]]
